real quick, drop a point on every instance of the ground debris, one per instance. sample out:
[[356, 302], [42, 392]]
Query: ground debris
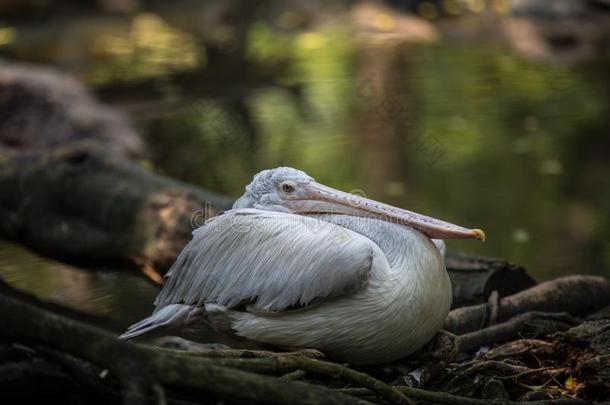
[[539, 357]]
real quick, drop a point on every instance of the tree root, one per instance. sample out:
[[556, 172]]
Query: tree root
[[538, 323], [238, 353], [451, 399], [285, 364], [498, 369], [83, 372], [449, 346], [294, 375], [576, 295]]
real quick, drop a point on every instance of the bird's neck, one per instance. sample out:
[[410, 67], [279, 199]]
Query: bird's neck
[[396, 241]]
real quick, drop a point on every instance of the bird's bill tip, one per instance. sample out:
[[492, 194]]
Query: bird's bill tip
[[479, 234]]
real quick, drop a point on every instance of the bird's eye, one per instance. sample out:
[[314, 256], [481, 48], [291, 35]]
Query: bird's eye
[[287, 188]]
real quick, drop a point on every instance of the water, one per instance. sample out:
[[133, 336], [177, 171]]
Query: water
[[120, 296], [472, 133]]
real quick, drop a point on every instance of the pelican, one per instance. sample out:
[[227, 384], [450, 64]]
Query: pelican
[[297, 264]]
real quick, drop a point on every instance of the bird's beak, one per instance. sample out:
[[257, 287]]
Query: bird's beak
[[316, 198]]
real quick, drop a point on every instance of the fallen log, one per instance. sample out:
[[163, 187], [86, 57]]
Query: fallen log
[[81, 204], [475, 278]]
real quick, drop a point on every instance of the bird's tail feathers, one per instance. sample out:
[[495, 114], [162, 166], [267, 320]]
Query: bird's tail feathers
[[159, 323]]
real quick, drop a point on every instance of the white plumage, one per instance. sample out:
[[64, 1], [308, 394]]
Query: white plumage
[[297, 265], [268, 260]]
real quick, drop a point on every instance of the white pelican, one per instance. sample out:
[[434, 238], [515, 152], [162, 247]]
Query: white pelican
[[297, 264]]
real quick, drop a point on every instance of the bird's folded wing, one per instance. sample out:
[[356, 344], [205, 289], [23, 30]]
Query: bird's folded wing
[[270, 260]]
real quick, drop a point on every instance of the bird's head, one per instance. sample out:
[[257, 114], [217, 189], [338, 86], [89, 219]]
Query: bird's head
[[285, 189]]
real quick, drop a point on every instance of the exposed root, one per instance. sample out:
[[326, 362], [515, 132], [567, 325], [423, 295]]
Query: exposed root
[[450, 399], [576, 295], [527, 324]]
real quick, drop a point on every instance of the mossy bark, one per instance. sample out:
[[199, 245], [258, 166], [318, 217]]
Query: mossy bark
[[82, 204]]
